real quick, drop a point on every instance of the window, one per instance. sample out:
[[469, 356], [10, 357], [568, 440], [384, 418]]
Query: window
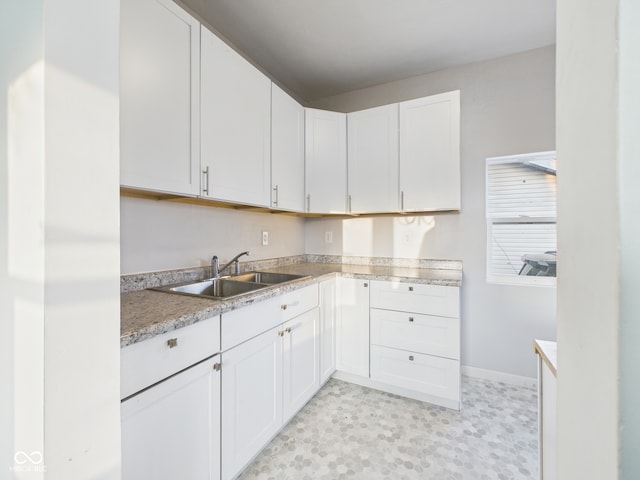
[[521, 219]]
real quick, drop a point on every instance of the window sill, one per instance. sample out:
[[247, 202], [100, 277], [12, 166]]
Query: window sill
[[522, 280]]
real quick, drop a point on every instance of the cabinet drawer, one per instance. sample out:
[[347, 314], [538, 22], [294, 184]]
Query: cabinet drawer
[[414, 371], [415, 332], [297, 302], [147, 362], [240, 325], [415, 297]]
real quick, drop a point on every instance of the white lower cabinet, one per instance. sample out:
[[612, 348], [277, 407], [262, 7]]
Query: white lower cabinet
[[327, 293], [417, 372], [251, 399], [300, 360], [172, 430], [268, 377], [352, 333], [415, 340], [189, 412]]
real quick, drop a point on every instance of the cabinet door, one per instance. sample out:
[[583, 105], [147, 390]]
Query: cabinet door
[[251, 399], [373, 160], [172, 430], [328, 314], [300, 362], [325, 161], [352, 335], [159, 97], [236, 126], [430, 153], [287, 151]]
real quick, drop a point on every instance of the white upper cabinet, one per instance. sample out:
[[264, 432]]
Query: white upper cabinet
[[325, 161], [373, 160], [287, 151], [159, 97], [430, 153], [236, 126]]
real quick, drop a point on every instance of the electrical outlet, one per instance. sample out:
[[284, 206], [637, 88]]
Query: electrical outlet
[[265, 239], [328, 237]]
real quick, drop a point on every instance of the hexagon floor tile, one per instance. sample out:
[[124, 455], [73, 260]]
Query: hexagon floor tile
[[351, 432]]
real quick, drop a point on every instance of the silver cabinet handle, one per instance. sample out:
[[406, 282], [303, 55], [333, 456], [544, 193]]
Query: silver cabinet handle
[[349, 203], [308, 202], [411, 319], [275, 201], [365, 285], [411, 357], [402, 200], [205, 181], [284, 306], [172, 342], [282, 332], [411, 289], [217, 366]]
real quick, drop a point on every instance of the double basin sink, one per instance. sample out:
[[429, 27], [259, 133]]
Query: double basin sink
[[231, 286]]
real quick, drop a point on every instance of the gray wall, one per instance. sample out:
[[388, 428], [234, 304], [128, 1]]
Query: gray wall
[[507, 107], [161, 235]]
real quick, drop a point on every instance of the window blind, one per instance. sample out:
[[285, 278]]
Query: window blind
[[521, 211], [517, 190], [510, 240]]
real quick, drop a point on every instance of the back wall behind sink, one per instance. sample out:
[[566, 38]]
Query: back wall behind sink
[[162, 235]]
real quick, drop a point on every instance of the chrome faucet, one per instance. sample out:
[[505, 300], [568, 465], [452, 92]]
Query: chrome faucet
[[216, 270]]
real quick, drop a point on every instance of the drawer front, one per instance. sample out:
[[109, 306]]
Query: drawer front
[[299, 301], [414, 297], [240, 325], [147, 362], [414, 371], [415, 332]]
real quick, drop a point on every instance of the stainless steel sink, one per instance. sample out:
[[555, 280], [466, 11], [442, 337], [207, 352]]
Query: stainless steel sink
[[226, 287], [270, 278], [213, 288]]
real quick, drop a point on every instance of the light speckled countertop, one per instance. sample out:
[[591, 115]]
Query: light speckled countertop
[[146, 313]]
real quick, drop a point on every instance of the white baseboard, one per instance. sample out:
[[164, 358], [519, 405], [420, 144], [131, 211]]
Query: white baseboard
[[496, 376], [454, 404]]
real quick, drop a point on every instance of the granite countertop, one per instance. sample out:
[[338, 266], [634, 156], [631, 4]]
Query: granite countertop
[[146, 313]]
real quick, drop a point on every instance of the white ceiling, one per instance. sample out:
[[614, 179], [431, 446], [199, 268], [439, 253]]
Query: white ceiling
[[319, 48]]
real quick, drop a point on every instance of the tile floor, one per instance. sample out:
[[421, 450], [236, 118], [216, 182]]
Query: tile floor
[[348, 431]]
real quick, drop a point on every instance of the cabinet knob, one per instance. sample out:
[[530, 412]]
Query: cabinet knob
[[281, 333], [217, 367], [287, 330], [283, 306], [366, 285], [411, 319], [172, 342], [411, 289], [411, 357]]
